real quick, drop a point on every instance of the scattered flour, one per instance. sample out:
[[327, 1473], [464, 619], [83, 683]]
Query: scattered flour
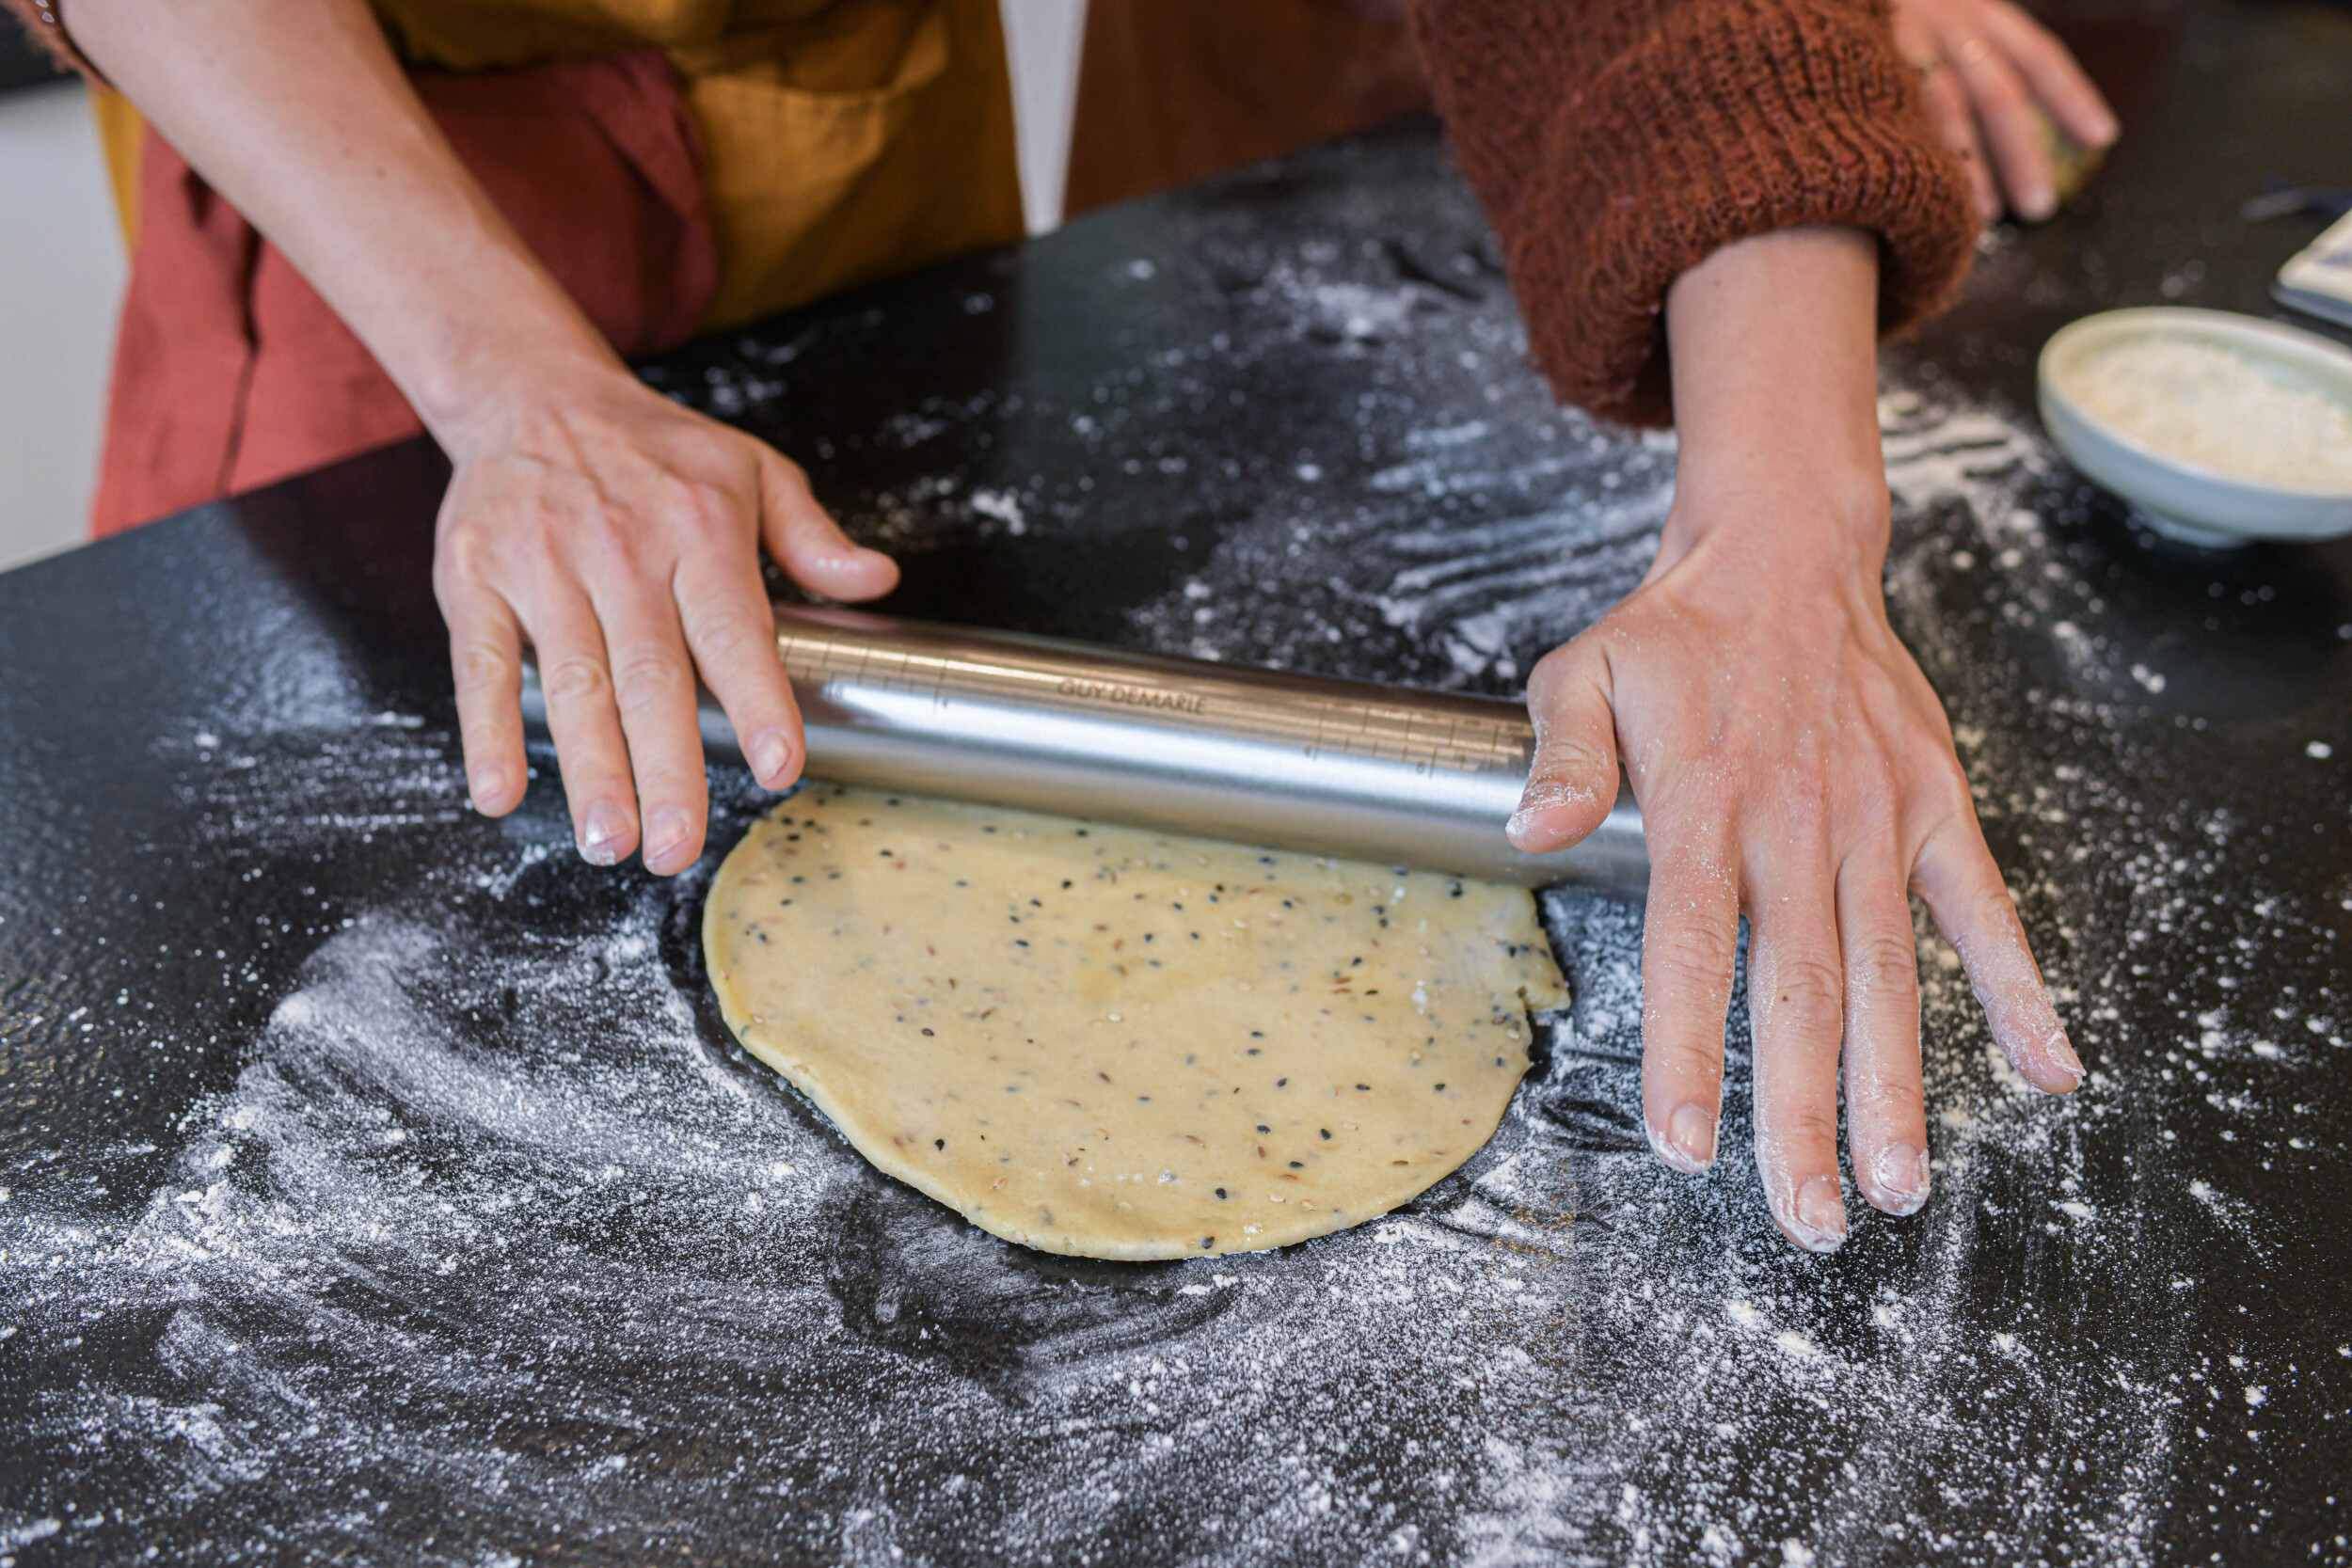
[[495, 1220], [495, 1248]]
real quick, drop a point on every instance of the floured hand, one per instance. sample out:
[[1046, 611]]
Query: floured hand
[[1791, 762], [620, 534]]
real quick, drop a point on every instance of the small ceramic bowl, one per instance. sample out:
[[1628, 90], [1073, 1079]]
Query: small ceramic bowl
[[2182, 500]]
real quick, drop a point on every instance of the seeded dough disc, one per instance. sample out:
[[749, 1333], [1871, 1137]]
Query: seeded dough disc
[[1116, 1043]]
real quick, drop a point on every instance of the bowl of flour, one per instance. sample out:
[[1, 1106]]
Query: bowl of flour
[[2216, 428]]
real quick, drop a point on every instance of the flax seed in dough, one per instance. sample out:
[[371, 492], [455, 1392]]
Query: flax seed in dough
[[1117, 1043]]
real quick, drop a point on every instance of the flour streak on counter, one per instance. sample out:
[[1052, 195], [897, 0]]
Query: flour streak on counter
[[495, 1220], [497, 1243], [490, 1224]]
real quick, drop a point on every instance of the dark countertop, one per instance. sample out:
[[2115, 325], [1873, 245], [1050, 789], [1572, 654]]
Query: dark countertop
[[377, 1183]]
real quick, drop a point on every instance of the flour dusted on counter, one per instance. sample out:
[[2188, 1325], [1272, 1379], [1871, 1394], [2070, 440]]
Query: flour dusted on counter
[[494, 1224], [2207, 406], [1116, 1043]]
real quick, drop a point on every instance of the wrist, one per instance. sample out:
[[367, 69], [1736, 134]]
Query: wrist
[[476, 398], [1772, 344], [1778, 573], [1781, 511]]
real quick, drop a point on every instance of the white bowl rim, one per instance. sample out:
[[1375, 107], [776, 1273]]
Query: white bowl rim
[[2152, 319]]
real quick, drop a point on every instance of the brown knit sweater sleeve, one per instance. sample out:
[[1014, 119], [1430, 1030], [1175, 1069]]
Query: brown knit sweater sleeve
[[1616, 143]]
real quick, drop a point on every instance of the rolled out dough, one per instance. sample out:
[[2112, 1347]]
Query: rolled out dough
[[1106, 1041]]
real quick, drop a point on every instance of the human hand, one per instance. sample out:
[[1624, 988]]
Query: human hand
[[1995, 80], [1791, 762], [617, 532], [1793, 766], [620, 534]]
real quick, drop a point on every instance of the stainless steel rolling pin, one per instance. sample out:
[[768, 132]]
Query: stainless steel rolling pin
[[1300, 762]]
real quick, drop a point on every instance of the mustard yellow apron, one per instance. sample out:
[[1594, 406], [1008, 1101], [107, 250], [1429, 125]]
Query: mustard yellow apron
[[844, 140]]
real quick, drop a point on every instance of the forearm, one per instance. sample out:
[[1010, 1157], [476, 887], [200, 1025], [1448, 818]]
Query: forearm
[[302, 118], [1622, 146], [1773, 342]]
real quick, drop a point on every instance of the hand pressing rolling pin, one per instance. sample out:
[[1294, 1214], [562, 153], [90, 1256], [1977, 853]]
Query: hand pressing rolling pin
[[1711, 214]]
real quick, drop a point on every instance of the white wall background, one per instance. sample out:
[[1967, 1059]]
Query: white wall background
[[62, 269], [1041, 37]]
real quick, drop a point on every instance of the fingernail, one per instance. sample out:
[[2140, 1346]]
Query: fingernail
[[1902, 1172], [2064, 1055], [1689, 1142], [768, 752], [2037, 204], [2104, 128], [1820, 1218], [606, 825], [489, 785], [665, 834], [1541, 796]]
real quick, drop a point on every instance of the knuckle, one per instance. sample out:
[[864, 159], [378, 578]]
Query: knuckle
[[1806, 1124], [1948, 791], [616, 548], [1897, 1100], [1696, 803], [787, 472], [1870, 791], [478, 669], [595, 531], [1671, 1054], [1883, 964], [575, 679], [1937, 799], [725, 638], [453, 564], [1550, 672], [1997, 89], [483, 740], [1991, 908], [1802, 995], [1951, 853], [1682, 955], [464, 559], [643, 679], [1803, 812], [694, 507], [663, 777], [1559, 757]]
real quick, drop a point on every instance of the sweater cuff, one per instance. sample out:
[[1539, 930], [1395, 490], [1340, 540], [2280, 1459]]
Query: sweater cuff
[[1725, 121]]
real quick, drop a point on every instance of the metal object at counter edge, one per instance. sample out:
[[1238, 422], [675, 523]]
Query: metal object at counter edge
[[1387, 774]]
